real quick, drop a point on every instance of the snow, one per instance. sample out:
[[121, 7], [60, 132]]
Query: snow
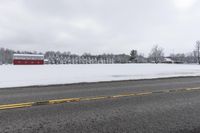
[[27, 56], [18, 76]]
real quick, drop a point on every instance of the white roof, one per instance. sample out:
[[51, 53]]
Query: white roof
[[168, 59], [28, 55]]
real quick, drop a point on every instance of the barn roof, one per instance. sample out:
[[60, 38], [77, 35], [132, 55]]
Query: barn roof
[[28, 55]]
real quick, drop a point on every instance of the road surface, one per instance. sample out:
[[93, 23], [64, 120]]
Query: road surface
[[157, 106]]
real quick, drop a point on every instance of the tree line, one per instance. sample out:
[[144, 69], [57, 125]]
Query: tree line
[[156, 55]]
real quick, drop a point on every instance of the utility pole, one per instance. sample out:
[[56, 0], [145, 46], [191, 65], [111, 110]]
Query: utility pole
[[198, 51]]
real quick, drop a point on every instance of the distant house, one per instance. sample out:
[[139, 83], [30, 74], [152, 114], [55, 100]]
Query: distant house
[[28, 59], [46, 61], [168, 60]]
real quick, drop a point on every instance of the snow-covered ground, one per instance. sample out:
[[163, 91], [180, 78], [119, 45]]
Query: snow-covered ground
[[15, 76]]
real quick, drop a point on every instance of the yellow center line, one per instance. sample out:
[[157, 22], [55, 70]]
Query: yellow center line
[[70, 100], [19, 104], [144, 93], [189, 89], [13, 106], [64, 100]]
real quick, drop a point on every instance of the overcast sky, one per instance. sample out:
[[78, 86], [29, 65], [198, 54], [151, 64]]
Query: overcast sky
[[99, 26]]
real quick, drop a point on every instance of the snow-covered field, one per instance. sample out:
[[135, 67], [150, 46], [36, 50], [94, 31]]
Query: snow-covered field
[[15, 76]]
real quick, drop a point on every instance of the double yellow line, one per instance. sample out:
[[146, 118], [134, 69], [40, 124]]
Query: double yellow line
[[70, 100], [13, 106]]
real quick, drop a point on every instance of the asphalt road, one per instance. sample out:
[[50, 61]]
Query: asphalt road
[[173, 112]]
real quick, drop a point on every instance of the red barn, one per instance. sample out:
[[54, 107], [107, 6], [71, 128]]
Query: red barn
[[28, 59]]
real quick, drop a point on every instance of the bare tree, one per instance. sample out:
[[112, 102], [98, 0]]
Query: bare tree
[[197, 47], [133, 55], [157, 54], [179, 58]]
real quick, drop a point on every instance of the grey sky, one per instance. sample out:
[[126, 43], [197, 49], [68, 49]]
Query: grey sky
[[99, 26]]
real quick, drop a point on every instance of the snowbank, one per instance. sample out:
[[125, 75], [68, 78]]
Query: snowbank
[[16, 76]]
